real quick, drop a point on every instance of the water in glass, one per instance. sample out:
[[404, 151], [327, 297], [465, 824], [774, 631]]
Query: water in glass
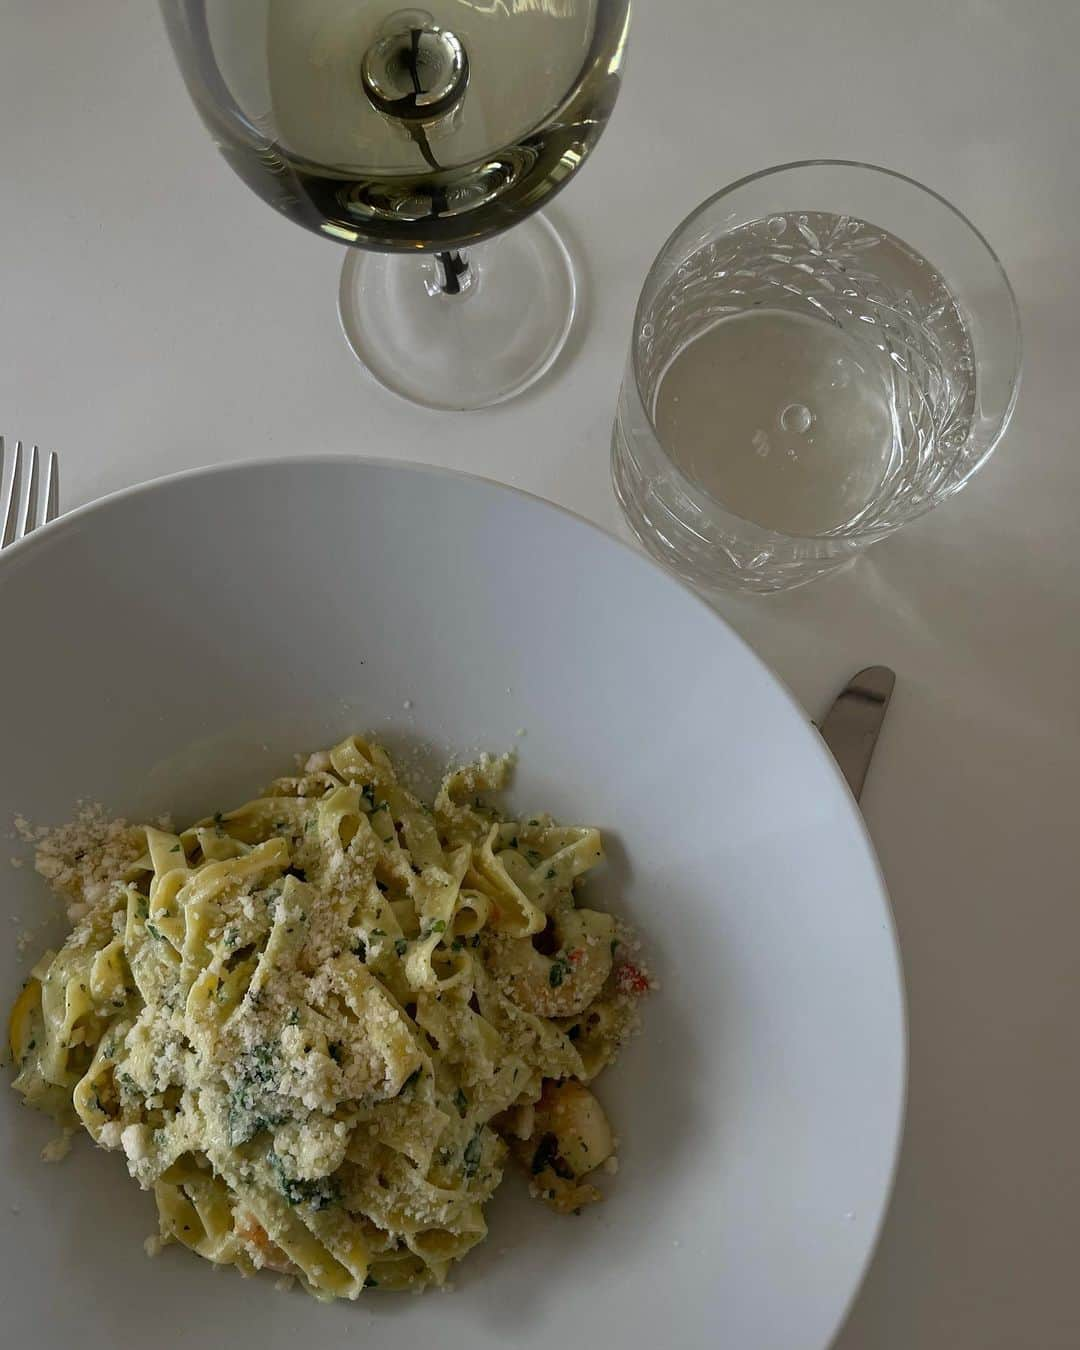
[[804, 391]]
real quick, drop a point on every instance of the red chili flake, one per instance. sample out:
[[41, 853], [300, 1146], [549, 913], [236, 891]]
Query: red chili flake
[[630, 980], [575, 956]]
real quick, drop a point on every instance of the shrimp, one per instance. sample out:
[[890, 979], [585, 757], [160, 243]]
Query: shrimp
[[570, 1139], [564, 984], [255, 1240]]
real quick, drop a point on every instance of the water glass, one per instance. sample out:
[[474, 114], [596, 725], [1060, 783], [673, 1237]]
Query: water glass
[[822, 352]]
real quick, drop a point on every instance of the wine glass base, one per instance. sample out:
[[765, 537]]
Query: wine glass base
[[471, 350]]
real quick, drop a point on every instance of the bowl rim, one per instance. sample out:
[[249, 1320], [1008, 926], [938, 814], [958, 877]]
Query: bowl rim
[[307, 462]]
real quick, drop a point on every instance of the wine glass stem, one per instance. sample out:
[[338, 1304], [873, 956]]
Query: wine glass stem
[[453, 268]]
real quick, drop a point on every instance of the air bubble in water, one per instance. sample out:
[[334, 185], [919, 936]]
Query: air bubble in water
[[776, 226], [796, 417]]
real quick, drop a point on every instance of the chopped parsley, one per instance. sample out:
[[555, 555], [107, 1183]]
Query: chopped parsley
[[154, 931], [320, 1193], [175, 848], [400, 946], [560, 968], [253, 1103], [259, 1064], [457, 945], [461, 1102], [550, 874], [439, 926], [411, 1081], [474, 1151]]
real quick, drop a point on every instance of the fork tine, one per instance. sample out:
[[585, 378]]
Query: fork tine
[[50, 489], [28, 514], [9, 506]]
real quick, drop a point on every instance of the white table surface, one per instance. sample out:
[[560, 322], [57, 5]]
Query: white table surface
[[154, 315]]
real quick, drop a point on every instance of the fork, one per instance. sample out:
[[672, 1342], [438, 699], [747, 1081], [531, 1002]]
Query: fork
[[20, 512]]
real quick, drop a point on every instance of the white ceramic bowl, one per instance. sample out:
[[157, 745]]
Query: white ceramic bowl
[[169, 648]]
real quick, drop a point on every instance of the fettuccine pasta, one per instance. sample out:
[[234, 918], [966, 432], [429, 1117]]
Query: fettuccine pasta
[[316, 1025]]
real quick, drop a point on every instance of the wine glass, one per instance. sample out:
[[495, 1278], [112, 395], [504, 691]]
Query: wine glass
[[413, 135]]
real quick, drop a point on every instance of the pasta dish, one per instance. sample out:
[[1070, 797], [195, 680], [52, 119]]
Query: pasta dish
[[317, 1026]]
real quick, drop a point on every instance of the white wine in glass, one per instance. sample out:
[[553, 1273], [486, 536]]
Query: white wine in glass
[[418, 136]]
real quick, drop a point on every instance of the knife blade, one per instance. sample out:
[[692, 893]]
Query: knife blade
[[853, 723]]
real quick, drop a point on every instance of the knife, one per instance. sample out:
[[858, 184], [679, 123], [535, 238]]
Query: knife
[[853, 723]]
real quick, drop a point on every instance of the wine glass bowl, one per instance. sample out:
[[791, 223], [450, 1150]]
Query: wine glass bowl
[[416, 132]]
